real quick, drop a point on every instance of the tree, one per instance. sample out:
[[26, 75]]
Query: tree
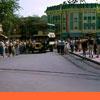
[[30, 25], [8, 15], [75, 1]]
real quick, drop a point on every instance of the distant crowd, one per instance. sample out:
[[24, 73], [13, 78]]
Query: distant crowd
[[11, 48], [77, 45]]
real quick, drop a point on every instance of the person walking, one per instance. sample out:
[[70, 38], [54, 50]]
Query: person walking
[[79, 45], [76, 45], [10, 48], [72, 45], [13, 50], [62, 47], [98, 46], [95, 48], [66, 48], [91, 46], [58, 46], [84, 47]]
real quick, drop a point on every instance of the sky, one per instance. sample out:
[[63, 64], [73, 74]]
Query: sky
[[38, 7]]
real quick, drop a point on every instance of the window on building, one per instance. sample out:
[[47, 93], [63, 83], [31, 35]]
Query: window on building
[[89, 27], [64, 19], [56, 19], [75, 18], [85, 27], [71, 16], [98, 26], [64, 28], [85, 17], [93, 27], [93, 18], [89, 18], [76, 28]]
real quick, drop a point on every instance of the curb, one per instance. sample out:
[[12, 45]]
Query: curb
[[98, 63]]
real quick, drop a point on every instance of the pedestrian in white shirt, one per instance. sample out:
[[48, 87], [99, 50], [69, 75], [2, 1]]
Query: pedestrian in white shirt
[[66, 48]]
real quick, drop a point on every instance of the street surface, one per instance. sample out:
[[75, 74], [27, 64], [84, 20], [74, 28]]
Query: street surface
[[48, 72]]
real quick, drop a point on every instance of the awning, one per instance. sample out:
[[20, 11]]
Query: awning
[[1, 35], [74, 35], [97, 34], [85, 24], [57, 25], [93, 24], [89, 24], [64, 35]]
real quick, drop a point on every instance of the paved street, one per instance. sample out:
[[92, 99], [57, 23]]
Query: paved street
[[48, 72]]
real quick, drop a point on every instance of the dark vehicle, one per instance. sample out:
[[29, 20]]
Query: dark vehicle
[[46, 43], [38, 46]]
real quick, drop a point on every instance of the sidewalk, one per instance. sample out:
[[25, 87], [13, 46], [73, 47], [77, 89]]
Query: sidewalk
[[94, 59]]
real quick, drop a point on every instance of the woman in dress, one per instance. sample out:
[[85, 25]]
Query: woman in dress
[[79, 45], [2, 48]]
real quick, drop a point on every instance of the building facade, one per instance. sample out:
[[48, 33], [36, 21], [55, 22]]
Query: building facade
[[75, 20]]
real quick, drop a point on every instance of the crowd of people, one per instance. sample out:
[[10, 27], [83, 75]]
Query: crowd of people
[[90, 45], [15, 47]]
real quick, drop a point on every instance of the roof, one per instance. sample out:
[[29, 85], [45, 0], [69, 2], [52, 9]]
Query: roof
[[72, 6], [1, 35]]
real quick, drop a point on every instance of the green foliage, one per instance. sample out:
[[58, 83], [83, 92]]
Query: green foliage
[[30, 25], [98, 9], [7, 14]]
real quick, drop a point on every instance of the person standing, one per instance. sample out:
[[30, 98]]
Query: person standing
[[58, 46], [79, 45], [66, 47], [72, 45], [13, 51], [62, 46], [95, 48], [91, 46], [98, 46], [17, 48], [76, 45], [2, 48], [10, 48], [6, 47], [84, 47]]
